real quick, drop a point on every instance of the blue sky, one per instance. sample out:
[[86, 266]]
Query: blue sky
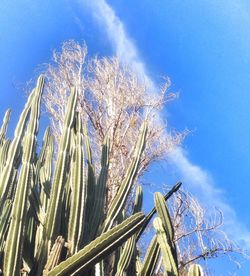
[[203, 46]]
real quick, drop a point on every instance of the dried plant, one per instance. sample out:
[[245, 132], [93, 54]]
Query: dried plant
[[199, 233], [112, 102]]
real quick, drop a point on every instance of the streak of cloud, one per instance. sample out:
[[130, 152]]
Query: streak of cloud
[[199, 181], [121, 42], [201, 184]]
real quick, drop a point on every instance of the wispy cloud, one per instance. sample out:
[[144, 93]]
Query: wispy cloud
[[198, 180], [201, 184], [119, 39]]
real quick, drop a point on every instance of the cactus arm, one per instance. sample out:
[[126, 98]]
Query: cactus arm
[[53, 216], [126, 256], [44, 168], [138, 263], [195, 270], [169, 263], [4, 153], [4, 143], [87, 145], [164, 215], [153, 211], [54, 211], [123, 191], [150, 259], [15, 237], [55, 255], [99, 248], [78, 195], [130, 245], [6, 175], [99, 196], [4, 224], [36, 206], [43, 183], [91, 184], [138, 200], [4, 126]]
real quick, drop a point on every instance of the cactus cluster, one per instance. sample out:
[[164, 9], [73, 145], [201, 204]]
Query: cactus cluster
[[52, 219]]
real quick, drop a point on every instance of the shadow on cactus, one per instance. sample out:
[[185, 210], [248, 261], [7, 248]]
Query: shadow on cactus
[[52, 214]]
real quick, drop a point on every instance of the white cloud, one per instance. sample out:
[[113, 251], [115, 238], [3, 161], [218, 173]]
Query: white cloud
[[195, 178], [201, 183], [121, 42]]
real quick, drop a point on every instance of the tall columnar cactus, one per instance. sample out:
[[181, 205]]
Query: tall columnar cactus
[[52, 219], [15, 237], [6, 175], [123, 192], [153, 211], [44, 169], [169, 263], [151, 258], [53, 216], [91, 186], [165, 235], [78, 194], [130, 246], [97, 211], [164, 215]]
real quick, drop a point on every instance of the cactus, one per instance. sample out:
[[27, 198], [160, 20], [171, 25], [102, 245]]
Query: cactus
[[52, 219], [120, 198], [4, 148], [99, 248], [130, 245], [150, 259], [4, 126], [55, 254], [97, 212], [4, 143], [15, 237], [169, 263], [163, 213], [4, 223], [78, 195], [195, 270], [153, 211], [53, 216], [14, 149], [44, 169], [91, 184]]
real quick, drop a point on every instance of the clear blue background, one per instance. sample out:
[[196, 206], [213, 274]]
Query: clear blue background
[[203, 46]]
